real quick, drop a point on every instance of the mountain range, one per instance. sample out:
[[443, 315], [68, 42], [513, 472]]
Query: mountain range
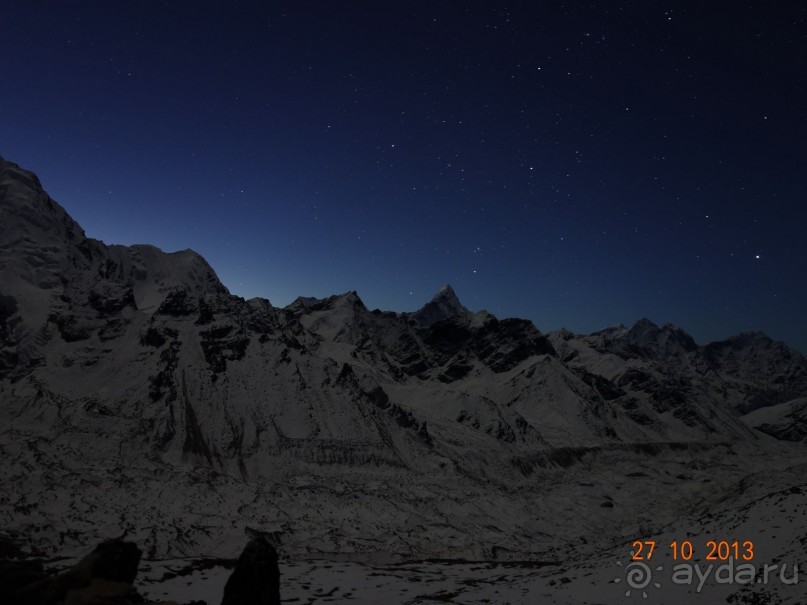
[[139, 397]]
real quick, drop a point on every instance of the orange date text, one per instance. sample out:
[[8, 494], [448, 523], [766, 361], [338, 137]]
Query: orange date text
[[686, 550]]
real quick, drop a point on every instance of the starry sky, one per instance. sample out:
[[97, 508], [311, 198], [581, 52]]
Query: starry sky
[[579, 164]]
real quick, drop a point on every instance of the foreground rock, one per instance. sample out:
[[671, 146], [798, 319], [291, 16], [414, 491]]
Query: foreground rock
[[106, 577], [256, 578]]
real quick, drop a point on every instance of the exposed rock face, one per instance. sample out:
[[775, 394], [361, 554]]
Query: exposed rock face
[[256, 578], [57, 280], [766, 372], [661, 370]]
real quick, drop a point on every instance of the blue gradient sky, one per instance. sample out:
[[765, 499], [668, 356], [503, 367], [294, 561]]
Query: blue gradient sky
[[578, 166]]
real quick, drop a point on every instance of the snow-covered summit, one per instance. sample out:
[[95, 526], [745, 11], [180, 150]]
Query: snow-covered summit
[[45, 256]]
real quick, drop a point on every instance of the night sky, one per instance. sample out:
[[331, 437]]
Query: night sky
[[580, 165]]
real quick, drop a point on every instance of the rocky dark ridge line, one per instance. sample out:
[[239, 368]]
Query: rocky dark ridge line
[[440, 341]]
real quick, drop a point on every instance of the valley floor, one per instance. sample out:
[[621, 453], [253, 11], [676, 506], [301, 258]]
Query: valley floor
[[416, 583]]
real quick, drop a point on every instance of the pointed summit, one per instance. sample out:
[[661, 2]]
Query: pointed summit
[[446, 293], [444, 305]]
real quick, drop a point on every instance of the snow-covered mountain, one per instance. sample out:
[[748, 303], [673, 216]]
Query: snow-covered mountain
[[137, 394]]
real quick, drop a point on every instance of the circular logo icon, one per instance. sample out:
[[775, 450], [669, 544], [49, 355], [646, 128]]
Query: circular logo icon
[[638, 576]]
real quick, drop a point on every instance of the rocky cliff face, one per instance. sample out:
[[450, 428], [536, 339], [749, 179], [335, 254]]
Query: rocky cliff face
[[138, 394], [661, 373], [56, 282]]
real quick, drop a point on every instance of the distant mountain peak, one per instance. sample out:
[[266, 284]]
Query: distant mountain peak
[[750, 339], [70, 266], [350, 298], [444, 305], [645, 324], [446, 293]]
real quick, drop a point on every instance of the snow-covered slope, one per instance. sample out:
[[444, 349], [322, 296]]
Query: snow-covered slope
[[137, 394], [786, 421]]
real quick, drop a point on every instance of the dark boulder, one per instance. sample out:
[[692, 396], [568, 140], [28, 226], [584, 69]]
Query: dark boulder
[[112, 560], [110, 570], [17, 574], [106, 577], [256, 578]]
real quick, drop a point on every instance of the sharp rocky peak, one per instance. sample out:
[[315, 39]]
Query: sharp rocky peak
[[444, 305], [445, 291]]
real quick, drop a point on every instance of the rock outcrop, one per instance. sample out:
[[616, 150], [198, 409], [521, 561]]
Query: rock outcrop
[[107, 575], [256, 578]]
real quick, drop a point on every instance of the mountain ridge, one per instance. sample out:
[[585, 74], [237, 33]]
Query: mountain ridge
[[194, 407], [445, 299]]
